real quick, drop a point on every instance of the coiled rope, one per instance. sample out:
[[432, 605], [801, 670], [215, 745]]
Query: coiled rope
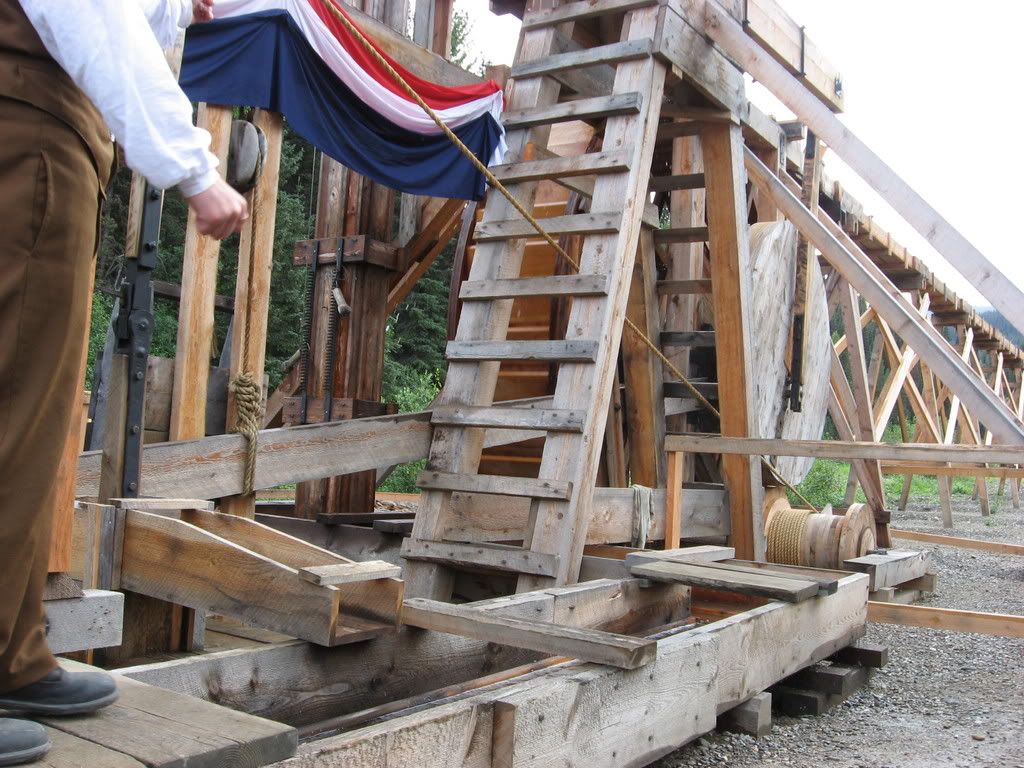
[[785, 535], [339, 14]]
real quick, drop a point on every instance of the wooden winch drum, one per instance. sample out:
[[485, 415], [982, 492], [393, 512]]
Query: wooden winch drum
[[817, 539]]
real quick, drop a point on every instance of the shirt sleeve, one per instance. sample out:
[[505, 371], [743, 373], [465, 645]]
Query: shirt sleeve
[[166, 18], [110, 51]]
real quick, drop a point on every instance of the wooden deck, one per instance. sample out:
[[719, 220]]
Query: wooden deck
[[158, 728]]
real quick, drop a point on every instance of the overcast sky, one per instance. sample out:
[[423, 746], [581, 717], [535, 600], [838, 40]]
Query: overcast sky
[[930, 85]]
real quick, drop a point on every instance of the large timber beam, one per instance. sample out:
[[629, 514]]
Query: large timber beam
[[894, 308], [953, 246]]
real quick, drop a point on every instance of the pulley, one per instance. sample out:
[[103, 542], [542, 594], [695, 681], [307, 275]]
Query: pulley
[[247, 153]]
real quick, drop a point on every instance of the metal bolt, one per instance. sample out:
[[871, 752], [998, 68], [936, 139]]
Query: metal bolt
[[132, 486], [143, 325], [154, 194], [151, 245], [135, 429], [138, 375]]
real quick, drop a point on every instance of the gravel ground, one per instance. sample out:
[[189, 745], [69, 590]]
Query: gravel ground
[[945, 699]]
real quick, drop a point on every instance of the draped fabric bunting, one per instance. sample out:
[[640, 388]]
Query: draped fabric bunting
[[295, 57]]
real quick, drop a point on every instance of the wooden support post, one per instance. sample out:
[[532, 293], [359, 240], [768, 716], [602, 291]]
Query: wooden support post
[[252, 291], [731, 291], [198, 290], [645, 401], [674, 500]]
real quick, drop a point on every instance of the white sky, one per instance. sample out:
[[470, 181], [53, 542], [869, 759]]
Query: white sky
[[930, 85]]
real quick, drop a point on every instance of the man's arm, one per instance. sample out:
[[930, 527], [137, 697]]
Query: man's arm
[[111, 52]]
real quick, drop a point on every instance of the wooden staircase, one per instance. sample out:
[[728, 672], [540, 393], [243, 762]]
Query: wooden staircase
[[552, 544]]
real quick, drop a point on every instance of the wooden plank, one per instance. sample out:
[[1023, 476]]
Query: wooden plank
[[495, 484], [775, 587], [999, 624], [731, 288], [576, 350], [596, 107], [555, 285], [574, 224], [148, 504], [843, 449], [954, 247], [683, 181], [579, 11], [998, 547], [588, 644], [557, 167], [509, 418], [163, 728], [950, 470], [703, 553], [490, 556], [345, 573], [673, 500], [681, 235], [687, 338], [613, 53], [67, 751]]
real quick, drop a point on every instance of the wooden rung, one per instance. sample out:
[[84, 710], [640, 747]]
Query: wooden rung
[[681, 235], [687, 339], [563, 167], [509, 418], [345, 573], [708, 389], [580, 109], [680, 287], [494, 557], [575, 224], [614, 53], [578, 11], [574, 350], [591, 645], [532, 488], [791, 590], [674, 183], [557, 285]]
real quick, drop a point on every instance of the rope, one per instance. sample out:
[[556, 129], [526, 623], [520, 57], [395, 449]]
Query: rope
[[643, 512], [496, 183], [785, 535], [246, 389]]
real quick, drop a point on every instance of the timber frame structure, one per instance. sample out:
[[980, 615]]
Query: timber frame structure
[[586, 575]]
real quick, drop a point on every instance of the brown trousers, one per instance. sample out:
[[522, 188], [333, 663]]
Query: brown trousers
[[49, 204]]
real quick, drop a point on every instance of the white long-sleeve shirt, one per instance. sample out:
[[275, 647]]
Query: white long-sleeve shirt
[[113, 51]]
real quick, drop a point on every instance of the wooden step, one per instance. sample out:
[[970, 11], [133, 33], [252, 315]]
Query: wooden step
[[575, 350], [557, 285], [578, 11], [575, 224], [532, 488], [687, 339], [346, 573], [593, 108], [775, 587], [591, 645], [493, 557], [591, 163], [614, 53], [681, 235], [509, 418], [683, 287], [708, 389], [675, 183]]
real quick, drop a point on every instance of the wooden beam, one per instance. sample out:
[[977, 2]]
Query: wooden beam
[[997, 547], [894, 308], [252, 287], [722, 147], [930, 617], [840, 449], [951, 245], [588, 644]]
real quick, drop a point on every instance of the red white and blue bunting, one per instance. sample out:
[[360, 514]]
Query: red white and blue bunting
[[297, 58]]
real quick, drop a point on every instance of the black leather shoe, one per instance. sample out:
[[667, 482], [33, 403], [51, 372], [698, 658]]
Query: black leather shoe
[[63, 693], [22, 741]]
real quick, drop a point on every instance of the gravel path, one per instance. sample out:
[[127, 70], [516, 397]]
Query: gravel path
[[945, 699]]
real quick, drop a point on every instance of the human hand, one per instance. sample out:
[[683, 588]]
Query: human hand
[[219, 210], [202, 10]]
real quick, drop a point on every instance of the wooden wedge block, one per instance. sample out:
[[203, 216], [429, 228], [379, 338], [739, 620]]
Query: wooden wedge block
[[588, 644], [345, 573]]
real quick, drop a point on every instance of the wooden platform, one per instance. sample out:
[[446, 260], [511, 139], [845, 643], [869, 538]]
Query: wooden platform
[[157, 728]]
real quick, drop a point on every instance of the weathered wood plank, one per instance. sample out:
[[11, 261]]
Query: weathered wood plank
[[556, 285], [748, 583], [596, 107], [575, 350], [612, 53], [588, 644], [509, 418], [573, 224], [891, 569], [1000, 624], [497, 557], [343, 573], [495, 484]]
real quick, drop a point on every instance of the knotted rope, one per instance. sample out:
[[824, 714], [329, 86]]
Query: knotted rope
[[521, 209], [247, 390]]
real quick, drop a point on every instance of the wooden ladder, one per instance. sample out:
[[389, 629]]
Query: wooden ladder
[[560, 499]]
